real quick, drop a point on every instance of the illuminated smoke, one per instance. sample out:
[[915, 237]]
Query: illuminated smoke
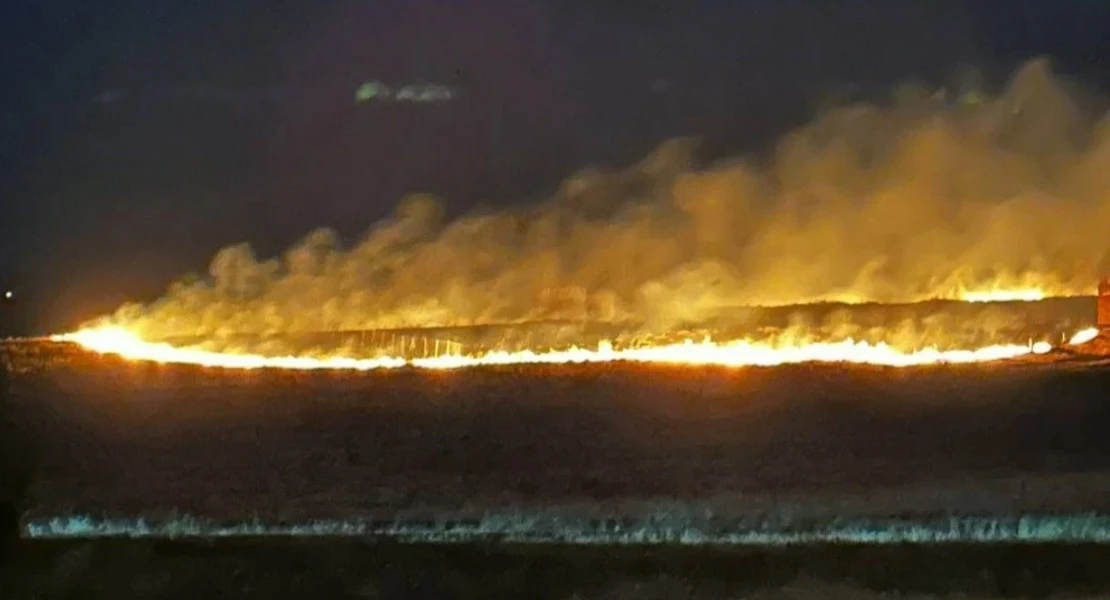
[[927, 196]]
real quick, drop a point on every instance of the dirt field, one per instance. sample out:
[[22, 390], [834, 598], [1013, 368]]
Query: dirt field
[[125, 439]]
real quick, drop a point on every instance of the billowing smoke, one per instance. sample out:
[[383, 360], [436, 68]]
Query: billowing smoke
[[926, 196]]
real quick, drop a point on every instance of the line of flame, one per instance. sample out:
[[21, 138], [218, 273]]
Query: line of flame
[[1083, 336], [1004, 295], [118, 341]]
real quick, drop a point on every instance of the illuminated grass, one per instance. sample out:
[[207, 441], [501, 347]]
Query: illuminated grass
[[665, 528]]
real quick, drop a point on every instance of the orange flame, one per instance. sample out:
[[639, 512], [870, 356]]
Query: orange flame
[[1083, 336], [118, 341], [1004, 295]]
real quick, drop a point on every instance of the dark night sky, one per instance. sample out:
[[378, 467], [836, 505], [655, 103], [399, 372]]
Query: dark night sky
[[234, 121]]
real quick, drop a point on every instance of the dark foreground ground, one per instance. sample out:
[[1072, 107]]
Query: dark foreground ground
[[122, 439], [126, 440], [345, 569]]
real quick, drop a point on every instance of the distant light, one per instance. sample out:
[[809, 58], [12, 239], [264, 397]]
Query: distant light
[[8, 294]]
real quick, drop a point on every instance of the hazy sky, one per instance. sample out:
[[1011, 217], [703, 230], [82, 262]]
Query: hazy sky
[[138, 136]]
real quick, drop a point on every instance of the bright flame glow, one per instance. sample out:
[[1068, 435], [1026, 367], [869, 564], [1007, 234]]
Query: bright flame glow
[[1004, 295], [121, 342], [1083, 336]]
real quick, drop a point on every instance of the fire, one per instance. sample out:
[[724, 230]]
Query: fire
[[121, 342], [1083, 336], [118, 341], [1004, 295]]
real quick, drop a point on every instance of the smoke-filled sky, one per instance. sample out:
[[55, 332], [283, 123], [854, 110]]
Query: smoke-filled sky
[[137, 139]]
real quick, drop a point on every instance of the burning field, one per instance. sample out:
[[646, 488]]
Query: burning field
[[929, 227], [883, 331], [769, 441], [971, 195]]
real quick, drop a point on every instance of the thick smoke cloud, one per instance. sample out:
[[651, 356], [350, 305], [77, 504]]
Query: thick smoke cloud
[[922, 197]]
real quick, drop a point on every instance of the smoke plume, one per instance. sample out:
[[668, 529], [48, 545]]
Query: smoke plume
[[926, 196]]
